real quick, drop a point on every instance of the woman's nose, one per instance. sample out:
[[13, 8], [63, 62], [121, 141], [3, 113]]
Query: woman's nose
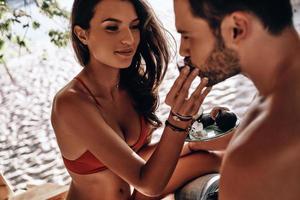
[[127, 38]]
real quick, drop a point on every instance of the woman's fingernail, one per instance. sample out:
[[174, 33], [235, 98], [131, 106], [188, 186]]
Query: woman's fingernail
[[186, 69], [196, 71]]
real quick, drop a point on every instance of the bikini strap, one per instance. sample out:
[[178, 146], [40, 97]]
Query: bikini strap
[[86, 87]]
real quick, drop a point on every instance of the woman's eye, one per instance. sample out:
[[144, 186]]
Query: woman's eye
[[112, 28]]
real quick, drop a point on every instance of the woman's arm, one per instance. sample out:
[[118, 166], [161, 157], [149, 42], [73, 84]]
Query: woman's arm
[[79, 116]]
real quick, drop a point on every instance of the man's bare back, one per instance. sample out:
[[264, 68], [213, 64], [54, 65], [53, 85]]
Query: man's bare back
[[266, 148]]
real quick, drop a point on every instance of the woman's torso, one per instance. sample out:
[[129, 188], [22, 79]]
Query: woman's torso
[[123, 119]]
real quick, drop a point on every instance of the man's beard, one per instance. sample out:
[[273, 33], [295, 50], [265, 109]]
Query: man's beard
[[221, 64]]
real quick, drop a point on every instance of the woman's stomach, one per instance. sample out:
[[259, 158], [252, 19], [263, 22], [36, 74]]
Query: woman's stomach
[[101, 185]]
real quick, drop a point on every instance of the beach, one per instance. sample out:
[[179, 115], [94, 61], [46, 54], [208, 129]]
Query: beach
[[28, 150]]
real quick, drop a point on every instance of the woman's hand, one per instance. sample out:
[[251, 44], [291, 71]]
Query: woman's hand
[[178, 99]]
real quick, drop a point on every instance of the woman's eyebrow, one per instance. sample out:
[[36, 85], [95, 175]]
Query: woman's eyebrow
[[117, 20], [112, 19], [137, 19]]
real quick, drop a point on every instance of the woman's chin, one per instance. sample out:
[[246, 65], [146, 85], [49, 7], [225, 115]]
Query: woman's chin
[[123, 65]]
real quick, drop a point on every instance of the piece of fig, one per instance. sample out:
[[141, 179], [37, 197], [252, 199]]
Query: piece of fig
[[206, 120], [226, 120]]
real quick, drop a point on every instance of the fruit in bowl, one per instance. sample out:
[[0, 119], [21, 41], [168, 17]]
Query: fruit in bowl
[[226, 120], [210, 125], [206, 120]]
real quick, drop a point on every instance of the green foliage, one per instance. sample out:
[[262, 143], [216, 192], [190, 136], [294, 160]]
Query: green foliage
[[20, 42], [59, 38], [35, 25], [1, 44], [1, 58], [52, 9], [5, 26], [10, 17], [1, 47], [3, 8]]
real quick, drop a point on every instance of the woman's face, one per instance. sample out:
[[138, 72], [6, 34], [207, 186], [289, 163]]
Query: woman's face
[[114, 33]]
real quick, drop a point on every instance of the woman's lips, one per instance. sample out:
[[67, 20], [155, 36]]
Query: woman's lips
[[125, 53]]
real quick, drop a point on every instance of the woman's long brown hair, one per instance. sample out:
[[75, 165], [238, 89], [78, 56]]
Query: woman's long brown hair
[[147, 70]]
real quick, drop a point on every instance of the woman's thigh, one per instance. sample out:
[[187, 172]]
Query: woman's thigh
[[188, 168]]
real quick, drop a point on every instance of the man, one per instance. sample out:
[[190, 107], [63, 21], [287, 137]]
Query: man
[[257, 39]]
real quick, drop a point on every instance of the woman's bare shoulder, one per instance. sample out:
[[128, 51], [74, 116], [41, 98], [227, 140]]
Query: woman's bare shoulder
[[69, 100]]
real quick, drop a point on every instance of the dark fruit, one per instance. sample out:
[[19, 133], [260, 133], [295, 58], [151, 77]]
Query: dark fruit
[[206, 120], [226, 120]]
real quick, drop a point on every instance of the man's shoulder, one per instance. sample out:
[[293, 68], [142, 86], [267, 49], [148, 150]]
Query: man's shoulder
[[270, 133], [263, 159]]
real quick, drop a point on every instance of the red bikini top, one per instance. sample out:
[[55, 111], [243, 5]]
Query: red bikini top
[[87, 163]]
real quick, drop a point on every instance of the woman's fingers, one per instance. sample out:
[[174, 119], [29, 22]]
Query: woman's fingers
[[197, 97], [197, 94], [177, 97], [200, 98], [181, 98], [174, 91]]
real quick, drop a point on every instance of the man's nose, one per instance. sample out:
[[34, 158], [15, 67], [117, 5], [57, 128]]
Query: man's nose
[[127, 38], [184, 49]]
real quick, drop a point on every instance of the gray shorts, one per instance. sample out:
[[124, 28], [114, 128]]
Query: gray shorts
[[203, 188]]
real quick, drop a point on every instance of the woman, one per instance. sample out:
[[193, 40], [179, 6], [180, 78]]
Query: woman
[[103, 118]]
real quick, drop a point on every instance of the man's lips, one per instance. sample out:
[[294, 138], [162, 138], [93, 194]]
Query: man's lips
[[186, 62]]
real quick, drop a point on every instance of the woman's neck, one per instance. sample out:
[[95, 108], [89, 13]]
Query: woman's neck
[[103, 79]]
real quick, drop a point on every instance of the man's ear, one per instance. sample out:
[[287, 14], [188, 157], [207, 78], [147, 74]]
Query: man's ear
[[236, 27], [81, 34]]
